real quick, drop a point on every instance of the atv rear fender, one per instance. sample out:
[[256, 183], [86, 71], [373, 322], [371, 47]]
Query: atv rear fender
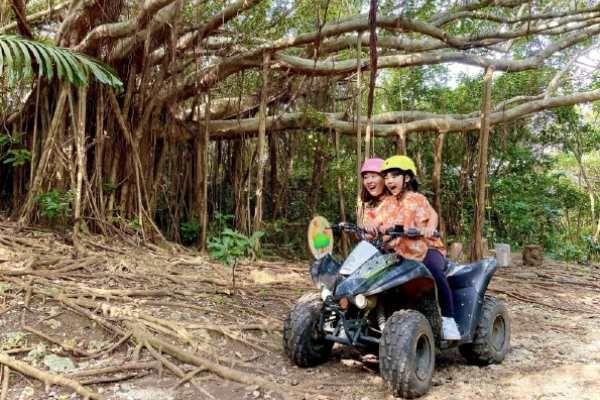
[[469, 284]]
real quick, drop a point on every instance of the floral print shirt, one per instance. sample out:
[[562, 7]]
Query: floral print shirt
[[367, 214], [411, 210]]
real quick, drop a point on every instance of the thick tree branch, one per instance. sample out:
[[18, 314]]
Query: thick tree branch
[[574, 15], [118, 30], [228, 129]]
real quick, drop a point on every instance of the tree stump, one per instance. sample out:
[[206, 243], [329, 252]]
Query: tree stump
[[533, 255], [502, 254], [455, 251]]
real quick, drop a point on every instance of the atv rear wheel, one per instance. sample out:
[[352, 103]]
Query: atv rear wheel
[[407, 354], [303, 343], [492, 335]]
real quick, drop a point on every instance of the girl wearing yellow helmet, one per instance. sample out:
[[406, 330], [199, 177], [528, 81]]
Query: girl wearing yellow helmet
[[411, 209]]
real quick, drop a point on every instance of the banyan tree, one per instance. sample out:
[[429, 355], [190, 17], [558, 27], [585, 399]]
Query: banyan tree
[[216, 93]]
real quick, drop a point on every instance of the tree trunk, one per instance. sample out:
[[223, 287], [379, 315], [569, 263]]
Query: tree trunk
[[597, 233], [401, 143], [202, 175], [238, 157], [317, 177], [436, 180], [476, 252], [289, 164], [79, 132], [274, 184], [357, 116], [373, 75], [261, 151], [340, 189], [463, 187]]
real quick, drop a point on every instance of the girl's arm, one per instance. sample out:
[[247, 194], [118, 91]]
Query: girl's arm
[[432, 224]]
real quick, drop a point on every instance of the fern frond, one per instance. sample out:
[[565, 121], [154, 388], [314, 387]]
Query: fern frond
[[17, 56]]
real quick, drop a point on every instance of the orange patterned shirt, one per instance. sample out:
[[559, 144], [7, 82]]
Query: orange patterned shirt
[[368, 215], [412, 210]]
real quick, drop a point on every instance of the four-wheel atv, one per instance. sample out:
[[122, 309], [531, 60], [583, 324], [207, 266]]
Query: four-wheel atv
[[375, 300]]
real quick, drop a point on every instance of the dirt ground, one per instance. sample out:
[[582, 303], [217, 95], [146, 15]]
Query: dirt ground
[[152, 316]]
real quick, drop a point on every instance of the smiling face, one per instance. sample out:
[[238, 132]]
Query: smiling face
[[395, 181], [373, 182]]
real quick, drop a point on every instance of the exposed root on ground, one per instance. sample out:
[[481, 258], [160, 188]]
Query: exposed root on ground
[[131, 293]]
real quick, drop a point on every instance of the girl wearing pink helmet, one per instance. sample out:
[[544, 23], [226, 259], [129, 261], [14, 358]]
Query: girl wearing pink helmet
[[372, 194]]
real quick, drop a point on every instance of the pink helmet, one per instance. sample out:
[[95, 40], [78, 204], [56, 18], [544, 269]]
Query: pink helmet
[[372, 165]]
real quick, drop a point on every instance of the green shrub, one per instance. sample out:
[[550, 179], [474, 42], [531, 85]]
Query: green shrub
[[232, 245], [17, 157], [190, 231], [55, 204]]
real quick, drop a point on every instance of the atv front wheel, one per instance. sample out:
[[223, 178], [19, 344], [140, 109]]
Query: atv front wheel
[[407, 354], [492, 336], [303, 343]]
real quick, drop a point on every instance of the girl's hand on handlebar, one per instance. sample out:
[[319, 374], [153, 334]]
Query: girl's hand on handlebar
[[370, 231], [427, 232]]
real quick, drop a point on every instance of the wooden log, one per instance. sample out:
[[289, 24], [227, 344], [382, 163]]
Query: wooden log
[[533, 255]]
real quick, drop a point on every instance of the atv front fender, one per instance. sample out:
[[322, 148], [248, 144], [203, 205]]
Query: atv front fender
[[376, 280]]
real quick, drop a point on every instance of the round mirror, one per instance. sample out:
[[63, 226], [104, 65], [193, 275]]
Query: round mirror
[[320, 237]]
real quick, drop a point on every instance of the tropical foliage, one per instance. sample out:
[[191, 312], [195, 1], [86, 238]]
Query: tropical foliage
[[19, 57]]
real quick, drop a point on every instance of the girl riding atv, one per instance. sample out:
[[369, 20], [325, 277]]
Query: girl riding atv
[[372, 194], [407, 207]]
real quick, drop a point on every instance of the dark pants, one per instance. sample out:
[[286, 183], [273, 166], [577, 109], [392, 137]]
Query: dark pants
[[434, 261]]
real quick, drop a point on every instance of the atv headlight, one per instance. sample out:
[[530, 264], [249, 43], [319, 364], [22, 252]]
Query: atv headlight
[[325, 293], [361, 301]]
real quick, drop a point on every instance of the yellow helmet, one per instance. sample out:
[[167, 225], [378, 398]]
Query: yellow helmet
[[399, 162]]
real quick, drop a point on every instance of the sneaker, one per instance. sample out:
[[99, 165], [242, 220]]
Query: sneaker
[[450, 329]]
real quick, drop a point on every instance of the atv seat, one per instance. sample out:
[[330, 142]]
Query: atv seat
[[470, 275]]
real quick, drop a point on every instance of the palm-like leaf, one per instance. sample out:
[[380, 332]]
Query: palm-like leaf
[[17, 55]]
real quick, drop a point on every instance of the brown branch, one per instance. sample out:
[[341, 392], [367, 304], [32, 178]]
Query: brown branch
[[118, 30], [5, 381], [48, 378], [65, 346], [190, 358], [118, 368], [20, 12]]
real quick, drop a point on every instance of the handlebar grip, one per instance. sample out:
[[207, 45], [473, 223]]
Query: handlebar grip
[[411, 233]]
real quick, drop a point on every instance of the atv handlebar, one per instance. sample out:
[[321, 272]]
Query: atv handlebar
[[393, 233], [410, 233], [361, 233]]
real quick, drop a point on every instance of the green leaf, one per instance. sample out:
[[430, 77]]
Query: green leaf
[[18, 59], [73, 67], [27, 67], [47, 62], [62, 66], [7, 55]]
